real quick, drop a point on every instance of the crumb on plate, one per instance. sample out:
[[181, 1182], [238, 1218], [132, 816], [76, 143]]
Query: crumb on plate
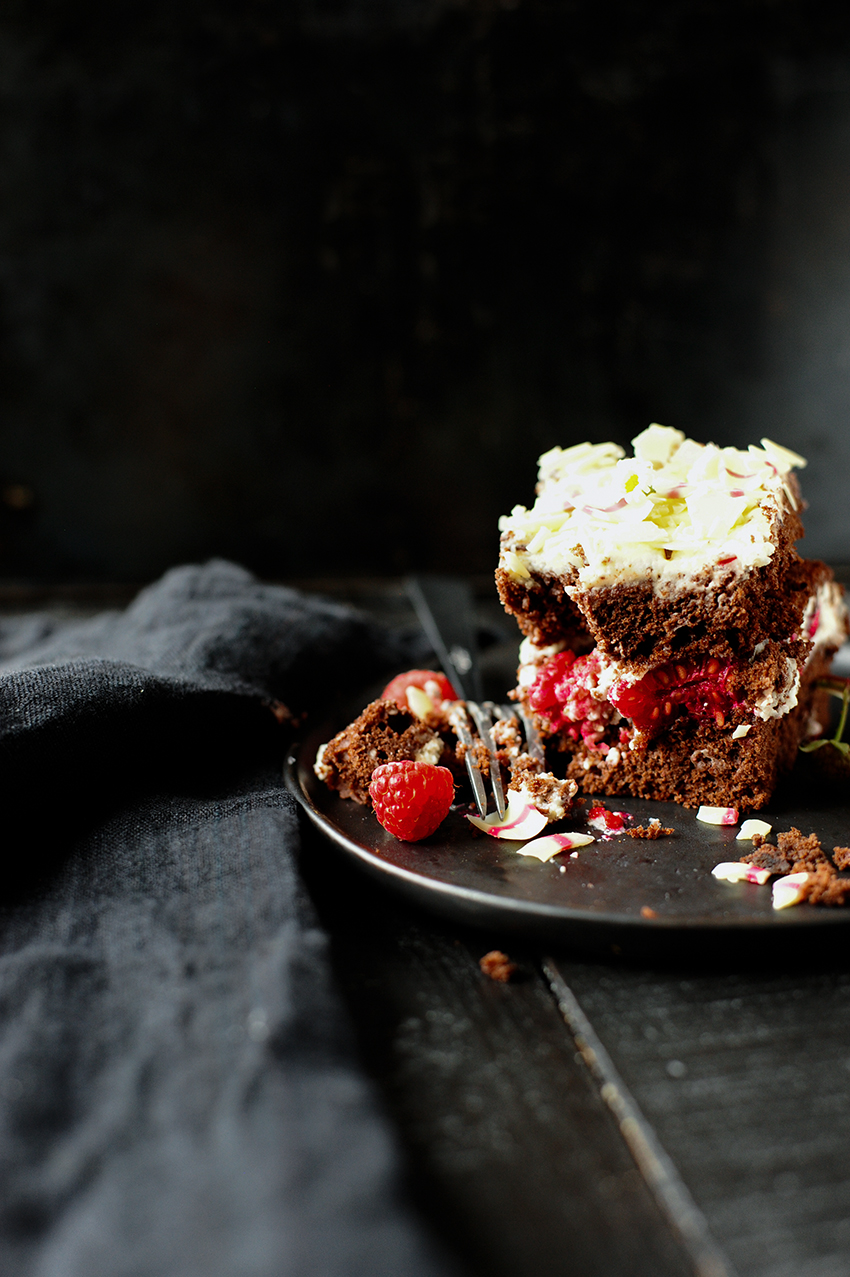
[[497, 965]]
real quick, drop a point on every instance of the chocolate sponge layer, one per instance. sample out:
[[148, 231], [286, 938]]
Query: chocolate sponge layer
[[725, 616]]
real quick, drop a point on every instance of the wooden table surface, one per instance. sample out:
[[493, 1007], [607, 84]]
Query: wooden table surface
[[591, 1118]]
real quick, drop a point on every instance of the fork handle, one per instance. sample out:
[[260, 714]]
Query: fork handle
[[445, 607]]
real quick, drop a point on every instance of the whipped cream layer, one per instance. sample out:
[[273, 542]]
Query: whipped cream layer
[[675, 510]]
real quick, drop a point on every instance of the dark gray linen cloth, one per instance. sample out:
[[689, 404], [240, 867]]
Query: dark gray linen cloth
[[178, 1087]]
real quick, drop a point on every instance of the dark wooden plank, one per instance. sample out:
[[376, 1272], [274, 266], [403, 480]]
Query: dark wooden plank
[[513, 1157], [745, 1077]]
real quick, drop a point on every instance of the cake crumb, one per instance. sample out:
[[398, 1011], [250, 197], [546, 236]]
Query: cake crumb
[[792, 854], [805, 852], [824, 887], [498, 966], [841, 857], [653, 830], [798, 853], [282, 712], [646, 912]]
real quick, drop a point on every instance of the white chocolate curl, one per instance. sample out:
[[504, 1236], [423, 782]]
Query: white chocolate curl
[[545, 848], [522, 819]]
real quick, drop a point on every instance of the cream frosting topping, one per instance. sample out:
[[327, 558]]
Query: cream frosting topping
[[673, 510], [825, 617]]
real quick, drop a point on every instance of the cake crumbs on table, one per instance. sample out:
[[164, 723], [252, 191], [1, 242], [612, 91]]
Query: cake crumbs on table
[[497, 966]]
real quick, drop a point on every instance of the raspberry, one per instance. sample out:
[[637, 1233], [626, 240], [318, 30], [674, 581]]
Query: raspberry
[[698, 689], [411, 799], [397, 689], [613, 822], [563, 696]]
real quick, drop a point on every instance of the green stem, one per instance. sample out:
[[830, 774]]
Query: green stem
[[842, 722]]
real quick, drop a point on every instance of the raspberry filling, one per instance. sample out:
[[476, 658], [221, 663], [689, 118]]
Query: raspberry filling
[[565, 695], [695, 688], [612, 822]]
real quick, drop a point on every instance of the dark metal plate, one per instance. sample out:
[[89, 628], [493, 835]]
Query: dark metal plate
[[597, 899]]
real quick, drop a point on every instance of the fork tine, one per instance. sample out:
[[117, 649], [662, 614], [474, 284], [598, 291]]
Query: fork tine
[[533, 738], [484, 723], [460, 723], [493, 711]]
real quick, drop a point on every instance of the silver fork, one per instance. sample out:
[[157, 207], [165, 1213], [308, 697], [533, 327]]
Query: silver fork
[[445, 609], [460, 722], [483, 716]]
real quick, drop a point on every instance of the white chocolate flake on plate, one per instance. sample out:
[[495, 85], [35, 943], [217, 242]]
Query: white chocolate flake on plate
[[718, 815], [737, 871], [522, 819], [750, 827], [789, 890], [553, 844]]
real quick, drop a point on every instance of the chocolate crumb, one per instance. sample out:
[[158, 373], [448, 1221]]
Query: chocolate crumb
[[796, 853], [757, 840], [793, 853], [824, 887], [282, 712], [805, 853], [653, 830], [498, 966], [768, 857], [841, 857]]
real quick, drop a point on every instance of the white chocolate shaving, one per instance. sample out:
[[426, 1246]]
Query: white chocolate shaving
[[718, 815], [737, 871], [750, 827], [789, 890]]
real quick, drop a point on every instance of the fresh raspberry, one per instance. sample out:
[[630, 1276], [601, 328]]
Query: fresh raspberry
[[397, 689], [411, 799], [695, 688]]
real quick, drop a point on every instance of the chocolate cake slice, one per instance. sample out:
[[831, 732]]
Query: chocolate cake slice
[[674, 636], [383, 733]]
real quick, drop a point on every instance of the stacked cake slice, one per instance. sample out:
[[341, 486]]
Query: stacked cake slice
[[673, 634]]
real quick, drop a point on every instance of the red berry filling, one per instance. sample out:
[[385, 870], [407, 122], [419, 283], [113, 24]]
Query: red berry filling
[[411, 799], [563, 696], [695, 688], [612, 821]]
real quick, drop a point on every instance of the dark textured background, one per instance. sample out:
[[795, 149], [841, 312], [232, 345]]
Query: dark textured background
[[312, 284]]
